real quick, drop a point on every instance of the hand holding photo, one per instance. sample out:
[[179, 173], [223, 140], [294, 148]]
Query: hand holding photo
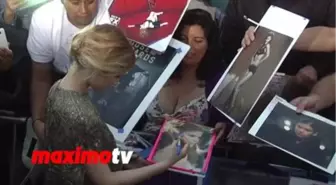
[[242, 84], [176, 133], [307, 136]]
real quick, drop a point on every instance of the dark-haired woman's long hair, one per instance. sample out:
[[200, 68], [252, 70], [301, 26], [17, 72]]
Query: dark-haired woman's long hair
[[212, 60]]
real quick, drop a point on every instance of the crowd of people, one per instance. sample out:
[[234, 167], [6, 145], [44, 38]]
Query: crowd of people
[[72, 48]]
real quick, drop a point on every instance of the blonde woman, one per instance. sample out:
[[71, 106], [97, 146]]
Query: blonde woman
[[100, 55]]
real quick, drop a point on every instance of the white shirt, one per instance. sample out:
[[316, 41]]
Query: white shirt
[[50, 33]]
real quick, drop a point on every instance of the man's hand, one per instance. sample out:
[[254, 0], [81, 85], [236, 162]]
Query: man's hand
[[249, 37], [308, 103], [10, 9], [13, 5], [307, 75], [6, 59], [219, 130]]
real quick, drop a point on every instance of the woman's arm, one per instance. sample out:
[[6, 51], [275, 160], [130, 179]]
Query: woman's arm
[[97, 137], [316, 39], [214, 116]]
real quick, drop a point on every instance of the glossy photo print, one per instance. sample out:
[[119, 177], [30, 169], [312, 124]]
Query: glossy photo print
[[199, 138], [122, 105], [306, 136], [250, 73], [149, 22], [252, 69]]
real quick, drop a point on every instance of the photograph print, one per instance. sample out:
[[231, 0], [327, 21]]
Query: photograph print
[[246, 78], [306, 136], [199, 138], [122, 105], [148, 22]]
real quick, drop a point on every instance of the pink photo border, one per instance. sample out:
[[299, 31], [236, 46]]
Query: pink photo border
[[206, 161]]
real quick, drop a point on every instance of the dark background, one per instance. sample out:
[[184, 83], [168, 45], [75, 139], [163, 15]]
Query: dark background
[[280, 137]]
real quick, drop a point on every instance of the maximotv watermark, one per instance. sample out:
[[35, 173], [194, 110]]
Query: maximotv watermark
[[80, 156]]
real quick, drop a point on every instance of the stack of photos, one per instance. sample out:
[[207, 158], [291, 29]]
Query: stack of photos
[[149, 22], [307, 136], [122, 106], [242, 84], [200, 140]]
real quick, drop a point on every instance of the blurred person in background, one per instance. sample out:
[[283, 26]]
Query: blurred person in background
[[52, 28]]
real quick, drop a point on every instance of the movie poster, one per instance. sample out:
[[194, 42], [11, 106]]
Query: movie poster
[[148, 22], [123, 105]]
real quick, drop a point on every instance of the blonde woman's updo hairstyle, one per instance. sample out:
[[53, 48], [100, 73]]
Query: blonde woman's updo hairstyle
[[104, 49]]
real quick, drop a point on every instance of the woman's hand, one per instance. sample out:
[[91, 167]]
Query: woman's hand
[[219, 130], [175, 157], [249, 37], [309, 103]]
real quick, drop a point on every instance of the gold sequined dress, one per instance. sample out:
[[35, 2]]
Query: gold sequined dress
[[72, 121]]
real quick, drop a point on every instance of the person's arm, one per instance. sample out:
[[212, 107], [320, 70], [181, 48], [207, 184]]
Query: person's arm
[[325, 89], [317, 39], [322, 37], [7, 11], [96, 137], [40, 85], [9, 16], [40, 50], [221, 124]]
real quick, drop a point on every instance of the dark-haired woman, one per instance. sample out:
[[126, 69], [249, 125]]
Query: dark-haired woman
[[184, 95]]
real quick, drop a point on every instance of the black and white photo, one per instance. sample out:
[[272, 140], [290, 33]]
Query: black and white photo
[[306, 136], [123, 105], [250, 73], [251, 70]]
